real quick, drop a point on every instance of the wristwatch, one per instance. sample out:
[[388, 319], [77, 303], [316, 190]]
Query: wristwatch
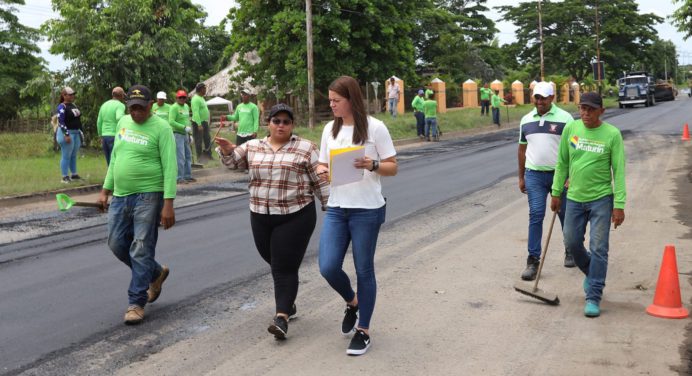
[[375, 165]]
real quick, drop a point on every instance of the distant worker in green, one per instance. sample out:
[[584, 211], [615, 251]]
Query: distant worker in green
[[141, 179], [417, 105], [486, 92], [179, 120], [109, 114], [161, 108], [200, 122], [495, 102], [247, 116], [430, 110]]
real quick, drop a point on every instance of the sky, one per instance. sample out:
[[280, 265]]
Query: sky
[[35, 12]]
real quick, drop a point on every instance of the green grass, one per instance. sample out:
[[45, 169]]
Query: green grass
[[29, 164]]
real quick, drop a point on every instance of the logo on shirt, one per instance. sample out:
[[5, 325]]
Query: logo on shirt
[[590, 146], [553, 128], [133, 137]]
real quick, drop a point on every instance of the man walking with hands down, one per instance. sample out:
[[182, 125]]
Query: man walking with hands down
[[539, 137], [592, 154], [141, 178]]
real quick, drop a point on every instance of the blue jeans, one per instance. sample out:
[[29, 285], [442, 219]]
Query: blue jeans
[[420, 123], [107, 145], [538, 186], [133, 229], [69, 152], [592, 262], [430, 127], [360, 227], [184, 156], [496, 115], [393, 102], [485, 106]]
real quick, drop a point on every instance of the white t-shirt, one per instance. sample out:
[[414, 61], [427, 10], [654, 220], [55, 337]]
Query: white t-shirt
[[366, 193], [393, 91]]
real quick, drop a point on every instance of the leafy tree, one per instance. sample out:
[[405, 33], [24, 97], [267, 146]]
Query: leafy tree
[[367, 39], [157, 43], [455, 38], [682, 17], [661, 57], [18, 64], [569, 35]]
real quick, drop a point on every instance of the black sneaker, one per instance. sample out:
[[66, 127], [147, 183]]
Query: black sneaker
[[569, 260], [350, 318], [65, 180], [293, 314], [75, 177], [279, 327], [360, 343], [529, 274]]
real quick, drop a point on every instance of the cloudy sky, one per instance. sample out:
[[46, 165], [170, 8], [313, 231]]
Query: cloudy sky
[[36, 12]]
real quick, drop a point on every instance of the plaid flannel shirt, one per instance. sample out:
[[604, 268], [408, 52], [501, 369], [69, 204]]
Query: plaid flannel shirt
[[282, 181]]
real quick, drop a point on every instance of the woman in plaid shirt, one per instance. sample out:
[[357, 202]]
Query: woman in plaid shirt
[[283, 187]]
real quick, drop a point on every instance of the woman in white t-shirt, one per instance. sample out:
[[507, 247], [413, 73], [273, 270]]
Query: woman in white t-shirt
[[355, 211]]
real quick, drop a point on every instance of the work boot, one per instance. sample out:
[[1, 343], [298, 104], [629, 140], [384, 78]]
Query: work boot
[[569, 260], [529, 274], [155, 287], [134, 315]]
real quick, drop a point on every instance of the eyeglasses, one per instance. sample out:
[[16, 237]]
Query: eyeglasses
[[277, 121]]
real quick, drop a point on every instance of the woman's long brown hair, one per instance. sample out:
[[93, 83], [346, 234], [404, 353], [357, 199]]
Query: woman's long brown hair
[[347, 87]]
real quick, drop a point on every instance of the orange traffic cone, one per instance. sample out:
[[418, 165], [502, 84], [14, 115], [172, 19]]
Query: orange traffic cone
[[686, 133], [667, 302]]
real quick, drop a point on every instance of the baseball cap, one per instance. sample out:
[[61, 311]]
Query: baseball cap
[[161, 95], [200, 85], [544, 89], [281, 107], [245, 91], [118, 90], [138, 95], [420, 92], [181, 93], [591, 99], [68, 90]]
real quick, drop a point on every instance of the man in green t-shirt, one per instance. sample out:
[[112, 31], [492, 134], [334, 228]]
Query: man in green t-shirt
[[160, 108], [200, 122], [495, 101], [179, 120], [109, 115], [592, 154], [417, 105], [430, 111], [485, 100], [247, 116], [141, 178]]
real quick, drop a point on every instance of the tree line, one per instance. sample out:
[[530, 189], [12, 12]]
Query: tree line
[[165, 45]]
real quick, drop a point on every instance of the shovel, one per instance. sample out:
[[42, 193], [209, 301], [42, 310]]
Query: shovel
[[534, 291], [65, 202]]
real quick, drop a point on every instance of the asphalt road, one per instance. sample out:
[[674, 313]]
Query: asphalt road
[[72, 290]]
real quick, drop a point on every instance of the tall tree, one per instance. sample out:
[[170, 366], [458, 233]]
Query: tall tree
[[18, 64], [120, 43], [569, 34], [682, 17], [367, 39]]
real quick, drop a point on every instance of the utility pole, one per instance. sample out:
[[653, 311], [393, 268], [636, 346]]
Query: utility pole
[[540, 36], [311, 68], [598, 53]]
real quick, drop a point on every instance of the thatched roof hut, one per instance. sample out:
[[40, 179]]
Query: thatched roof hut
[[220, 83]]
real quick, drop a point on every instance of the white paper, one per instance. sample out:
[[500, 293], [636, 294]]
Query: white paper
[[341, 167]]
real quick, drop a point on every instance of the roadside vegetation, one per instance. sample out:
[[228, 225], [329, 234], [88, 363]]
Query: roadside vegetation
[[29, 164]]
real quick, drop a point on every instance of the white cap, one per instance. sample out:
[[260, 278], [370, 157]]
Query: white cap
[[161, 95], [68, 90], [544, 89]]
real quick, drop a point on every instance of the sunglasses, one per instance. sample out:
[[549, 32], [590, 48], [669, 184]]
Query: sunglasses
[[277, 121]]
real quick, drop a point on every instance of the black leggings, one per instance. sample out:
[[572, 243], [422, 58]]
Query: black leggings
[[281, 241]]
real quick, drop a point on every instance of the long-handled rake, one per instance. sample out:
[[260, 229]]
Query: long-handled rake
[[65, 202], [534, 291]]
